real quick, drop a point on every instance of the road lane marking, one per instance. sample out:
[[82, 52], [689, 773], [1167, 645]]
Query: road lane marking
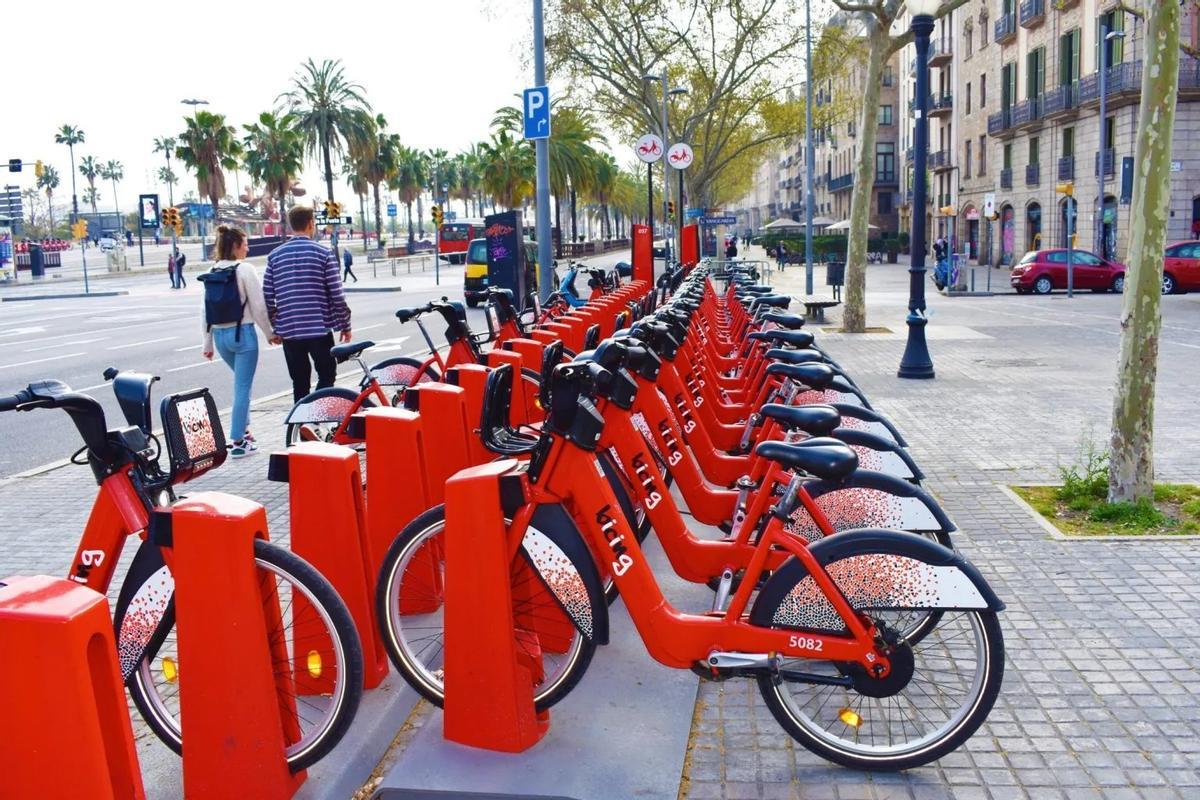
[[185, 349], [40, 360], [62, 344], [138, 344], [192, 366], [369, 327]]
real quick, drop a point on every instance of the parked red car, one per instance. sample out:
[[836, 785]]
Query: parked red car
[[1042, 271], [1181, 268]]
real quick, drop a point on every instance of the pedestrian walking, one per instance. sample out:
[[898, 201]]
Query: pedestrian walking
[[781, 257], [731, 250], [233, 305], [305, 302], [180, 260], [171, 270], [347, 262]]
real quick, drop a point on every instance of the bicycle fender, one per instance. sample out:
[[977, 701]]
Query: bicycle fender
[[888, 457], [397, 371], [875, 569], [868, 499], [145, 609], [839, 385], [855, 416], [559, 555], [330, 404]]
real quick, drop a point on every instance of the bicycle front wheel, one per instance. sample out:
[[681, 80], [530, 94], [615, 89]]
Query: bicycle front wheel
[[313, 629]]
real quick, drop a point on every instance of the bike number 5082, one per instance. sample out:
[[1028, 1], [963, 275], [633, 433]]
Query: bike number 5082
[[806, 643]]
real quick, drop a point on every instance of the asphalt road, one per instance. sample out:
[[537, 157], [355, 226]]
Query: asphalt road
[[155, 329]]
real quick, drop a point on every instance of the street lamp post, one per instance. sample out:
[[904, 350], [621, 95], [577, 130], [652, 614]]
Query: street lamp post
[[808, 152], [1106, 36], [193, 102], [666, 94], [541, 150], [916, 362]]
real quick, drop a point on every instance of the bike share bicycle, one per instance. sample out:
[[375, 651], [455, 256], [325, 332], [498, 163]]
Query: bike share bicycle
[[314, 636]]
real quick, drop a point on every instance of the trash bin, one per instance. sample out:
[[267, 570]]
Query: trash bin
[[835, 273], [37, 261]]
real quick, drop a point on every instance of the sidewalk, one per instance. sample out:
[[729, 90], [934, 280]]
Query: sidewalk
[[1101, 696]]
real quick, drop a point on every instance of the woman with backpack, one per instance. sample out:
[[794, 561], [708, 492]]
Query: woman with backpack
[[233, 304]]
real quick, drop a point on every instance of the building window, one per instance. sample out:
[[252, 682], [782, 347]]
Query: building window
[[1068, 58], [983, 29], [968, 39], [1008, 156], [885, 203], [1033, 149], [967, 165], [885, 162], [983, 155], [968, 97], [983, 91], [889, 77], [1035, 73], [1068, 142], [1112, 21], [885, 115]]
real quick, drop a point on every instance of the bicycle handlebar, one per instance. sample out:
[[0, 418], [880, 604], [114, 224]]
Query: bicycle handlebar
[[13, 401]]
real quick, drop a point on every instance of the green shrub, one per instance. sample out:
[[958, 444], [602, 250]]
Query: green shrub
[[1087, 480], [1141, 514]]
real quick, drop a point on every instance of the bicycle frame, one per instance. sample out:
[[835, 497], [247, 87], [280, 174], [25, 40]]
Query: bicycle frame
[[570, 476], [118, 512]]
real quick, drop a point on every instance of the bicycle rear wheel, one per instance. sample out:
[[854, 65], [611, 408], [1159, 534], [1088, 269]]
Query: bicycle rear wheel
[[317, 417], [314, 631]]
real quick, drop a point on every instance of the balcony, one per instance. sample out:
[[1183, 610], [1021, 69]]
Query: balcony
[[841, 183], [1189, 77], [1000, 124], [1006, 179], [1123, 85], [1032, 13], [887, 179], [1033, 173], [941, 106], [940, 52], [939, 161], [1061, 101], [1066, 168], [1063, 5], [1005, 30], [1027, 113], [1110, 162]]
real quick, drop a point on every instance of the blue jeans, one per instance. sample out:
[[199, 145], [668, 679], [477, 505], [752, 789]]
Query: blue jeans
[[242, 357]]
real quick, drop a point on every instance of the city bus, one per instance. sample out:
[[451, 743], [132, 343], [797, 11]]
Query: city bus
[[457, 235]]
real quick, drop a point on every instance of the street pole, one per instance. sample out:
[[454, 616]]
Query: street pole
[[916, 362], [808, 154], [666, 172], [541, 153], [1099, 223], [1070, 248], [650, 202]]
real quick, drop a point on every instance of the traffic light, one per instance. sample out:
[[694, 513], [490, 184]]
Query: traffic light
[[38, 168], [172, 219], [14, 165], [333, 210], [1066, 187], [436, 213], [79, 229]]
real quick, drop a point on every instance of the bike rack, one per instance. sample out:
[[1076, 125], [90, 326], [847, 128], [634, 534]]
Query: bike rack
[[520, 401], [529, 349], [489, 684], [329, 531], [473, 380], [68, 730], [237, 732]]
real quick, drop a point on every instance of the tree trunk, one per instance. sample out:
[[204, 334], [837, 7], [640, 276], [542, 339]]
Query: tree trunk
[[328, 167], [574, 217], [558, 224], [854, 314], [1131, 461], [411, 238], [117, 205], [378, 217]]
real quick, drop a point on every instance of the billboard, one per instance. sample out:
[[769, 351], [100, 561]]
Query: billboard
[[148, 211]]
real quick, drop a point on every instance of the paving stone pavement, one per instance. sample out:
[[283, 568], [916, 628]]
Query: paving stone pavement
[[1101, 694]]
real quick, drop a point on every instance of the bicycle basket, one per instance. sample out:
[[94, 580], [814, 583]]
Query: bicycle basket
[[195, 439]]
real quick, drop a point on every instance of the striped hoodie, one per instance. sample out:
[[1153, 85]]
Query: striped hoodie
[[303, 289]]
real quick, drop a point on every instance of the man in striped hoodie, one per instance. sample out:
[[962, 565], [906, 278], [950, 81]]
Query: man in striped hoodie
[[303, 289]]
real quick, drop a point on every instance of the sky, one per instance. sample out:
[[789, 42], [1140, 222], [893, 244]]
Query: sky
[[436, 70]]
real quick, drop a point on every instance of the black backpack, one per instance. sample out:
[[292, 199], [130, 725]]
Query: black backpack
[[222, 300]]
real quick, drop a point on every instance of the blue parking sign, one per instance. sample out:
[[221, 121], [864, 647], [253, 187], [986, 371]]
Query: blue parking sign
[[537, 112], [391, 210]]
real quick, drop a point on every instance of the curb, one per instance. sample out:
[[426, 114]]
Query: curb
[[968, 294], [373, 289], [64, 296]]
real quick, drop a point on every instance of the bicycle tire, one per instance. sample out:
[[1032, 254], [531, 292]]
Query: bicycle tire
[[339, 396], [398, 373], [427, 682], [340, 625]]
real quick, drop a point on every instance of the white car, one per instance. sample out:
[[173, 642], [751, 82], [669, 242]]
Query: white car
[[107, 242]]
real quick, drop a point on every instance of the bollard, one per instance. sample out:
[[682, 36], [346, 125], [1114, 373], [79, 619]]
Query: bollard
[[329, 531], [237, 720], [489, 687], [67, 722]]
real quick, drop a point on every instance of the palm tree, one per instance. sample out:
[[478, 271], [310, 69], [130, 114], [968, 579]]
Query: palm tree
[[49, 182], [508, 169], [167, 175], [89, 168], [115, 172], [378, 161], [436, 174], [208, 147], [71, 135], [354, 171], [604, 180], [274, 155], [407, 181], [331, 112], [166, 146], [91, 196]]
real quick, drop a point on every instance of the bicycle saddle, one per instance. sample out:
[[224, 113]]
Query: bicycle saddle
[[759, 289], [816, 420], [773, 300], [791, 321], [794, 338], [802, 356], [814, 376], [820, 457], [344, 352]]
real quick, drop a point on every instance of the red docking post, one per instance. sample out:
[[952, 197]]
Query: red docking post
[[240, 710], [329, 531], [472, 378], [67, 723], [489, 678]]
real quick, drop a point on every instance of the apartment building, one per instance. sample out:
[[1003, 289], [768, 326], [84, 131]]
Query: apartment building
[[763, 202]]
